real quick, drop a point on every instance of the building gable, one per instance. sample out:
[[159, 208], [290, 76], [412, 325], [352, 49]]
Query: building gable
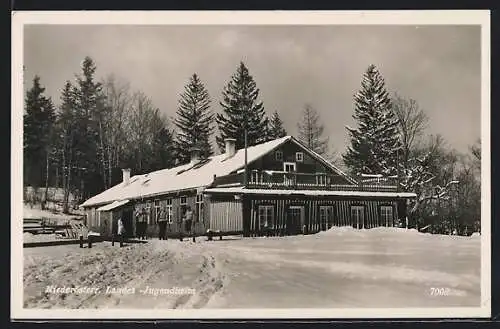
[[305, 161]]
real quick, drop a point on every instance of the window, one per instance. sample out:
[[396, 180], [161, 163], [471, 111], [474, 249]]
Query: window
[[326, 217], [279, 156], [299, 156], [168, 211], [183, 205], [266, 217], [322, 179], [289, 166], [157, 210], [256, 177], [386, 215], [199, 207], [358, 216]]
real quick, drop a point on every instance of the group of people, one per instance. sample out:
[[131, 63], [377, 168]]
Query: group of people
[[141, 225]]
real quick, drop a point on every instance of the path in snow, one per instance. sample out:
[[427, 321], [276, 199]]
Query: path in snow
[[339, 268]]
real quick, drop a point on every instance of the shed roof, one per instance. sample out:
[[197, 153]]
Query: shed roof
[[113, 205]]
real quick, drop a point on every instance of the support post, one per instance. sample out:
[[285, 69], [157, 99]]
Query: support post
[[245, 174], [193, 231], [81, 241], [89, 238]]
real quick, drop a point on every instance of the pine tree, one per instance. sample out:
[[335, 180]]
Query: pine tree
[[311, 131], [194, 121], [375, 143], [66, 123], [276, 129], [88, 133], [38, 126], [241, 110], [162, 148]]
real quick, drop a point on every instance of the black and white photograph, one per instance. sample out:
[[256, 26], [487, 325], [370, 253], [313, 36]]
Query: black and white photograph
[[250, 165]]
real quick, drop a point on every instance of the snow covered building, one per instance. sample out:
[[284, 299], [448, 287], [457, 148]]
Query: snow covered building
[[289, 190]]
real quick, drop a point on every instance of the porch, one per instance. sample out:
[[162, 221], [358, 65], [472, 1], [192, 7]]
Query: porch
[[267, 179]]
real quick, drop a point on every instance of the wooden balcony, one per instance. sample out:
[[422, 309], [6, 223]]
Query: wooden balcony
[[302, 181]]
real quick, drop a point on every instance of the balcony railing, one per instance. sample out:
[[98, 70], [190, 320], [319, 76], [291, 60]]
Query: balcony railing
[[303, 181]]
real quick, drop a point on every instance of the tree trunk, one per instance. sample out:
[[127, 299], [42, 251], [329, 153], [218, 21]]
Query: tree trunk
[[57, 176], [64, 174], [68, 184], [44, 202], [102, 156]]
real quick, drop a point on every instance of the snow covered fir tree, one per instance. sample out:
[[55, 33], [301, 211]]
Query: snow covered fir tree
[[39, 119], [242, 110], [375, 143], [194, 121], [276, 128]]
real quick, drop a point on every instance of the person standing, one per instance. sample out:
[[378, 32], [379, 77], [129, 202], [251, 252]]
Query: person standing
[[162, 224], [141, 224], [121, 231], [189, 219]]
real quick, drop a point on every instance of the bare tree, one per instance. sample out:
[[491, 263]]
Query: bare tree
[[433, 174], [311, 131], [475, 151], [114, 138], [412, 123]]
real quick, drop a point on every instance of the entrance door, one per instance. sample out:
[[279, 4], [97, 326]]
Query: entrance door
[[358, 216], [326, 217], [289, 167], [128, 223], [294, 220]]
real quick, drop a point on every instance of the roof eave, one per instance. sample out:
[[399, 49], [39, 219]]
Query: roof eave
[[146, 196]]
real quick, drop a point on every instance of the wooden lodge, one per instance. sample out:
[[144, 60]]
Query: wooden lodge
[[288, 190]]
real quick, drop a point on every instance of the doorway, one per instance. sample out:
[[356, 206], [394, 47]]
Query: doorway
[[289, 167], [294, 220], [128, 222], [326, 219], [358, 216]]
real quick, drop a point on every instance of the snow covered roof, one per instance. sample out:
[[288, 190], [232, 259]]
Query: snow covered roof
[[113, 205], [242, 190], [189, 176]]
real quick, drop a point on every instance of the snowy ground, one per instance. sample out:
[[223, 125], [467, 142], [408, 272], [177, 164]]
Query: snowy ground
[[37, 213], [339, 268]]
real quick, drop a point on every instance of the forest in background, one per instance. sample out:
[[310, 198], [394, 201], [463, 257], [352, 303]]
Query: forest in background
[[102, 126]]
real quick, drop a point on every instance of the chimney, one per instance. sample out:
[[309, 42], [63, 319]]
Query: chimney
[[126, 175], [230, 147], [195, 155]]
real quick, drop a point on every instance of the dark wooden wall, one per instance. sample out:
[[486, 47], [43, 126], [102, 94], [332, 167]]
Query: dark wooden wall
[[341, 212], [309, 165]]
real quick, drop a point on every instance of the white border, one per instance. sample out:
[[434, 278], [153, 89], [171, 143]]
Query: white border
[[423, 17]]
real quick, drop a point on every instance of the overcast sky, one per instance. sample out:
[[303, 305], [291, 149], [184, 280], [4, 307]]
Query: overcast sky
[[439, 66]]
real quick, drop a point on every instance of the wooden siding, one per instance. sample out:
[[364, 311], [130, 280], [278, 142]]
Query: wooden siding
[[311, 207], [226, 216], [152, 229]]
